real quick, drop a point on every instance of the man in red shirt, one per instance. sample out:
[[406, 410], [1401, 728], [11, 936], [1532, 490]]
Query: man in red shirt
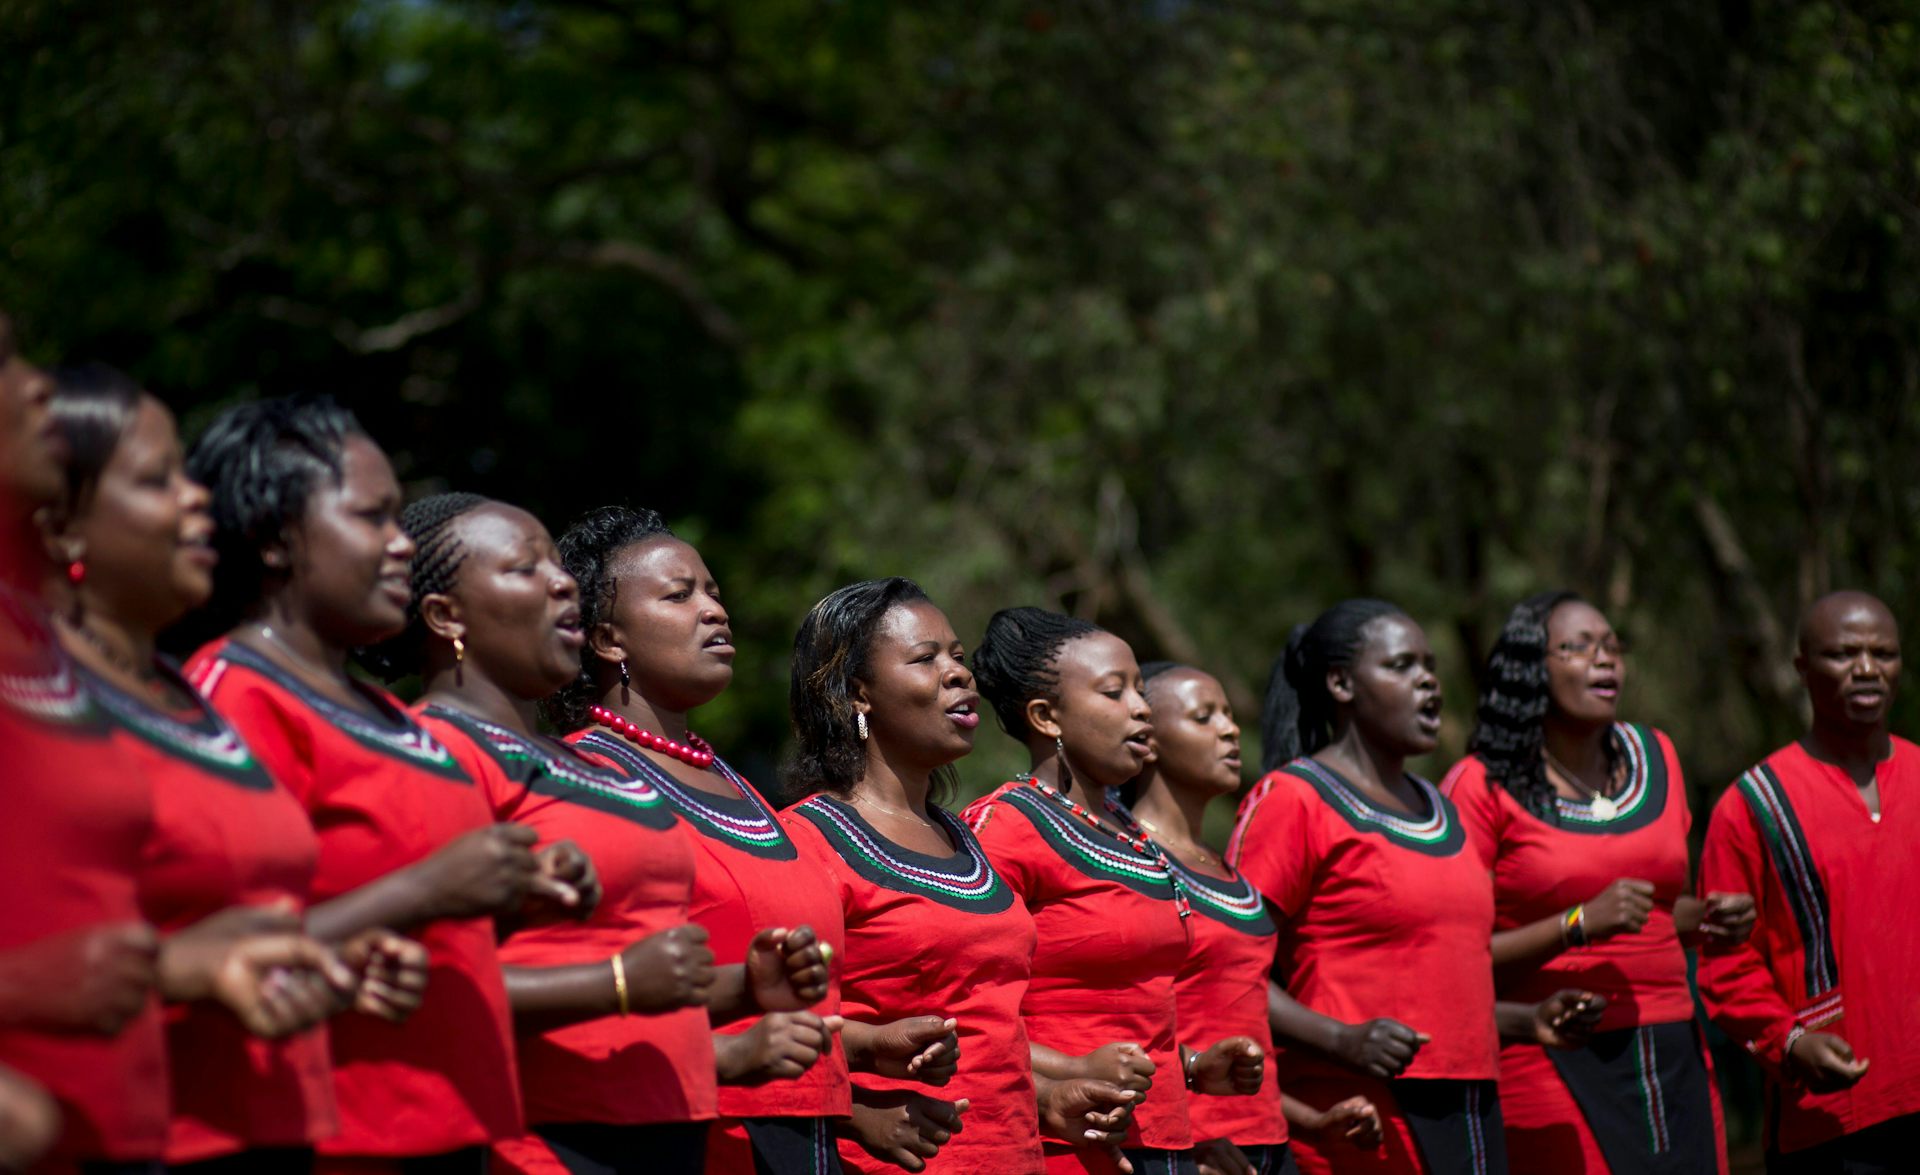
[[1822, 834]]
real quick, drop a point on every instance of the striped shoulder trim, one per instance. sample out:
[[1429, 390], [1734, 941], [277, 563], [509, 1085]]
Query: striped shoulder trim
[[1793, 861]]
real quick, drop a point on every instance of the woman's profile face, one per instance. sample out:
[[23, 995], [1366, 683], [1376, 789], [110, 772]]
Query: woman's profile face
[[1586, 667], [1105, 723], [347, 557], [1195, 738], [518, 608], [1393, 687], [668, 622], [921, 705], [145, 533]]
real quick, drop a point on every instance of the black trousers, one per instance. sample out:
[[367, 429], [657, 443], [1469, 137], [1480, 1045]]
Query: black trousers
[[1890, 1148], [595, 1148]]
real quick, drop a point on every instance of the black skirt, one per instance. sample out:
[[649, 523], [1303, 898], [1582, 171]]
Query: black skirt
[[1456, 1123], [1647, 1097]]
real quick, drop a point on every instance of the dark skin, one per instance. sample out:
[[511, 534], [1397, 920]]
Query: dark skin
[[32, 457], [1849, 662], [668, 627], [337, 580], [1387, 706], [143, 531], [1104, 729], [1586, 670], [29, 1121]]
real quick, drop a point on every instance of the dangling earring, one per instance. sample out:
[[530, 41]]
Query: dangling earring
[[459, 661], [1066, 772], [626, 683], [860, 723], [76, 574]]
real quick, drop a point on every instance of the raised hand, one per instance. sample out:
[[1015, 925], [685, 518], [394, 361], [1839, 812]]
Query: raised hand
[[392, 970], [487, 871], [786, 969], [1825, 1062], [902, 1127], [1566, 1019], [778, 1047], [1621, 908], [1123, 1063], [1231, 1066], [1379, 1048], [93, 980], [919, 1048], [668, 970]]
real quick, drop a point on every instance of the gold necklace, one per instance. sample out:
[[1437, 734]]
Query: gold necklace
[[1150, 826], [865, 800], [1603, 805]]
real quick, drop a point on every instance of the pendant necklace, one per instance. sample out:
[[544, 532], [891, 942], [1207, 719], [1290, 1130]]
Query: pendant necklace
[[1603, 805]]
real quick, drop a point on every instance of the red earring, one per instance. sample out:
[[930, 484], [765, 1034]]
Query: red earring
[[76, 571]]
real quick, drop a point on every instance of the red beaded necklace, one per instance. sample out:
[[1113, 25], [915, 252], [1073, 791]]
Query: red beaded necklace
[[695, 750], [1130, 834]]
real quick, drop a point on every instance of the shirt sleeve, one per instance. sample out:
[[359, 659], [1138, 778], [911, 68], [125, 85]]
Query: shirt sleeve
[[1273, 843], [814, 847], [1013, 846], [1736, 984], [501, 794], [276, 734], [1473, 797]]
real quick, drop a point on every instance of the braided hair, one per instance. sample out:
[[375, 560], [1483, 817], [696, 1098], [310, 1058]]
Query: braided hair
[[93, 406], [437, 556], [830, 653], [1015, 661], [260, 461], [588, 548], [1297, 715], [1509, 734]]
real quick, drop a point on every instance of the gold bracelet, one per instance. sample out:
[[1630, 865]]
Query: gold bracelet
[[620, 982]]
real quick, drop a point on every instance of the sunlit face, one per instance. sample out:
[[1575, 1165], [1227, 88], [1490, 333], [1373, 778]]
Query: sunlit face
[[1392, 687], [513, 603], [667, 622], [145, 534], [1101, 712], [1849, 660], [920, 703], [347, 557], [1586, 666], [1196, 740]]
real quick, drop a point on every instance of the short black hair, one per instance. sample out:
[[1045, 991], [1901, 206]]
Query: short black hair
[[93, 406], [1015, 661], [1297, 714], [588, 549]]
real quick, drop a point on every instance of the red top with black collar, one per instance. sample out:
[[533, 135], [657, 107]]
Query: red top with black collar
[[1541, 870], [77, 816], [617, 1070], [1835, 948], [383, 794], [943, 936], [748, 876], [1367, 897], [1111, 938], [224, 834]]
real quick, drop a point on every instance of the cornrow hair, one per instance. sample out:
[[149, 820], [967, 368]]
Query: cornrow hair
[[260, 462], [831, 652], [1297, 714], [437, 556], [588, 548], [1015, 662], [1509, 733]]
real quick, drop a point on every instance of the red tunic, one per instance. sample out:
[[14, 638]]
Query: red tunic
[[225, 834], [1367, 898], [936, 936], [748, 876], [383, 795], [1221, 991], [1834, 949], [1539, 871], [615, 1070], [1110, 941], [77, 817]]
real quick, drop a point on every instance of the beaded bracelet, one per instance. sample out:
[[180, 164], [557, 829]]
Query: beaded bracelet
[[1573, 926]]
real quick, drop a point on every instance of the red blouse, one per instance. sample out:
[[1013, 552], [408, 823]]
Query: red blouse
[[1541, 870], [225, 834], [615, 1070], [1366, 898], [1834, 950], [77, 816], [936, 936], [1110, 940], [1221, 991], [749, 876], [383, 794]]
